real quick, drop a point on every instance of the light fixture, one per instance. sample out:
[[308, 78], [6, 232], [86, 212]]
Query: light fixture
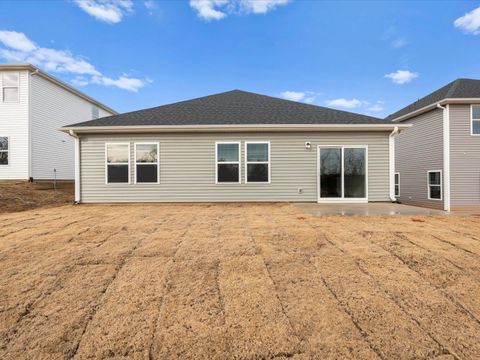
[[308, 145]]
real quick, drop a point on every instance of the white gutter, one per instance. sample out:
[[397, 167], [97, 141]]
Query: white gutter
[[77, 166], [391, 152], [234, 128], [446, 156]]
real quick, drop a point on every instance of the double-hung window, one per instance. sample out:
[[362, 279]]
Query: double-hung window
[[117, 163], [227, 162], [10, 85], [257, 162], [3, 150], [397, 184], [146, 163], [475, 126], [435, 185]]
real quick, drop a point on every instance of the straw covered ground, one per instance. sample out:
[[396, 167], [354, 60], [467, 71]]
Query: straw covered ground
[[227, 281]]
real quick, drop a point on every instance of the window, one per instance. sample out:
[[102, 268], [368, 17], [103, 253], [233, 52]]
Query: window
[[117, 163], [95, 112], [475, 120], [10, 87], [435, 185], [397, 184], [3, 150], [227, 162], [257, 162], [146, 163]]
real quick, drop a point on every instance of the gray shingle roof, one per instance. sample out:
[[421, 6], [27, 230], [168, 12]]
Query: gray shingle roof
[[460, 88], [233, 108]]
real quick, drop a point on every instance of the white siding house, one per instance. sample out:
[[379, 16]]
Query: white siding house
[[33, 106]]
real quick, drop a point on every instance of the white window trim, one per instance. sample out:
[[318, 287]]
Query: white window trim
[[238, 143], [157, 144], [7, 151], [428, 185], [106, 163], [342, 199], [258, 162], [11, 87], [395, 184], [472, 119]]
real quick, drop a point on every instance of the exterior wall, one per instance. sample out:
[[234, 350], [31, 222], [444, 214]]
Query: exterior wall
[[464, 159], [418, 150], [14, 124], [51, 108], [187, 167]]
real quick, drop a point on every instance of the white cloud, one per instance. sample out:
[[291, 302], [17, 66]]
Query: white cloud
[[206, 9], [61, 61], [376, 107], [402, 76], [150, 4], [293, 95], [16, 41], [399, 43], [109, 11], [123, 82], [303, 96], [346, 103], [261, 6], [219, 9], [470, 22]]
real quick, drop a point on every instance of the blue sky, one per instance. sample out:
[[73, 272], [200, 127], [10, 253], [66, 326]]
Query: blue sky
[[367, 57]]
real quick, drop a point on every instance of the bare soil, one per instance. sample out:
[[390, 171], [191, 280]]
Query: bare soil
[[244, 281], [22, 195]]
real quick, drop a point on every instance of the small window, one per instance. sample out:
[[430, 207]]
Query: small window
[[475, 119], [10, 87], [95, 114], [118, 163], [435, 185], [3, 150], [146, 163], [227, 162], [257, 157], [397, 184]]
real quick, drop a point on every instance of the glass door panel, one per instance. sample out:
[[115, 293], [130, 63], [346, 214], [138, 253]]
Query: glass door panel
[[330, 172], [354, 172]]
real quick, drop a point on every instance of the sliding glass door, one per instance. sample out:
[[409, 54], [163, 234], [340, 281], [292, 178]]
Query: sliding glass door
[[342, 173]]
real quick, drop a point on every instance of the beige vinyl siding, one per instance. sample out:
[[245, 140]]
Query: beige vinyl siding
[[14, 124], [53, 107], [464, 159], [418, 150], [187, 167]]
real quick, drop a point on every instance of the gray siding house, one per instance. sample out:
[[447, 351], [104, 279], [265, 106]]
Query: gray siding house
[[438, 161], [232, 147]]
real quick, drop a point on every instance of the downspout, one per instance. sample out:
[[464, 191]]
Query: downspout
[[446, 156], [77, 166], [391, 144]]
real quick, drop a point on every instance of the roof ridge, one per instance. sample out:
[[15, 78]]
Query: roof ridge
[[452, 89]]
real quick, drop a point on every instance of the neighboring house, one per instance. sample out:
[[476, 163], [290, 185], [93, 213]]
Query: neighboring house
[[438, 160], [33, 106], [235, 146]]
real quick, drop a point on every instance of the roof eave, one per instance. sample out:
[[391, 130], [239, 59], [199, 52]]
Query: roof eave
[[34, 69], [434, 105], [232, 128]]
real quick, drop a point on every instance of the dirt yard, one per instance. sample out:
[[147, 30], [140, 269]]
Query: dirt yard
[[236, 282], [22, 195]]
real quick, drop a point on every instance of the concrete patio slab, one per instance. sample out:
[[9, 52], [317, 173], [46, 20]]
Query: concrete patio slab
[[381, 208]]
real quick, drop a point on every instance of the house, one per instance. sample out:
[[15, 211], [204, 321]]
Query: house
[[234, 146], [33, 106], [438, 160]]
